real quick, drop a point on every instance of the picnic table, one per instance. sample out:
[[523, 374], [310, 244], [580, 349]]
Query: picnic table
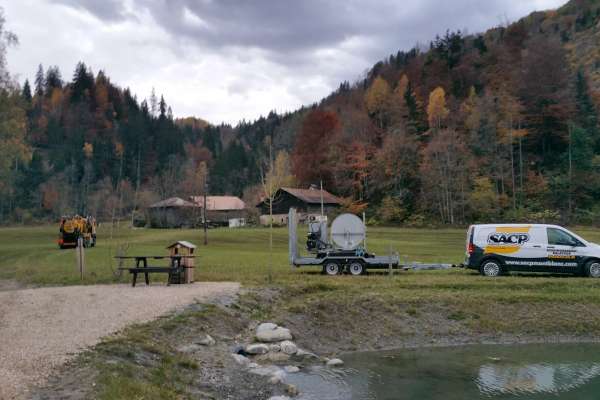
[[174, 269]]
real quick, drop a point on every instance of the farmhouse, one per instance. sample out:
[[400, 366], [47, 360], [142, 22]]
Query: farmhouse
[[222, 210], [307, 203], [173, 212]]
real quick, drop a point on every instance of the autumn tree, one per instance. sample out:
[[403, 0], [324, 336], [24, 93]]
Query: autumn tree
[[445, 171], [377, 100], [315, 148], [436, 108]]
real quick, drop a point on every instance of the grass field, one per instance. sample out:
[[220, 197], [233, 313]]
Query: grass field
[[30, 254]]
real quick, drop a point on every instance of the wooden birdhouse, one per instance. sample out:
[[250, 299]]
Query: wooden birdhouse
[[187, 252]]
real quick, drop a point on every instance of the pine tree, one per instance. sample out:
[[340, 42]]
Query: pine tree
[[26, 92], [40, 81], [53, 80]]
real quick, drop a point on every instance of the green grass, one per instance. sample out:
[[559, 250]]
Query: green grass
[[30, 254]]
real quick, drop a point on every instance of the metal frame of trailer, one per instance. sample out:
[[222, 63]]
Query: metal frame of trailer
[[345, 259]]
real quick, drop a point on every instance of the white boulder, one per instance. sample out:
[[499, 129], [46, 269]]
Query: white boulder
[[335, 362], [269, 332], [207, 341], [288, 347], [291, 369], [274, 348], [256, 348]]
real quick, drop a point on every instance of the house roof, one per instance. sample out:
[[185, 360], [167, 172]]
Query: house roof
[[219, 203], [183, 243], [172, 202], [312, 196]]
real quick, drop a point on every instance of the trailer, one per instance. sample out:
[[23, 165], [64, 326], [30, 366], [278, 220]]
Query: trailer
[[344, 250]]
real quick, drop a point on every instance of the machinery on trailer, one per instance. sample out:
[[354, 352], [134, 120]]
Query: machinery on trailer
[[343, 251], [73, 228]]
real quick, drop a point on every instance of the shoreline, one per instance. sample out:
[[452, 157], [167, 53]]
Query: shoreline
[[140, 351]]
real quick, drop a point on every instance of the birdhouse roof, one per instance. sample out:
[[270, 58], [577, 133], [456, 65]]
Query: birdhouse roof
[[182, 243]]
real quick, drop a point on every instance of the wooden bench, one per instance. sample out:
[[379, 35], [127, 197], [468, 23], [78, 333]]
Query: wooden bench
[[175, 268]]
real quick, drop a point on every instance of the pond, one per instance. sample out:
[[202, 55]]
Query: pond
[[558, 371]]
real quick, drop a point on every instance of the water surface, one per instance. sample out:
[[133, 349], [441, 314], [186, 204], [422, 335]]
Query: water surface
[[566, 371]]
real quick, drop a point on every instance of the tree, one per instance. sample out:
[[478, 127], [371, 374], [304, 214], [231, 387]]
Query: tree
[[26, 92], [53, 80], [315, 148], [377, 100], [436, 108], [40, 81], [398, 106], [445, 171]]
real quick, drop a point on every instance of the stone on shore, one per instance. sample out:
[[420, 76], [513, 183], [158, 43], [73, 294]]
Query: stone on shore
[[288, 347], [240, 359], [290, 369], [256, 348], [269, 332], [207, 341], [335, 362]]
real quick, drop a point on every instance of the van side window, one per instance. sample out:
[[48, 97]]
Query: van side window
[[559, 237]]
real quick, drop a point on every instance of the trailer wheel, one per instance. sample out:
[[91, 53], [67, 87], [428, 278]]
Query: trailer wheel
[[331, 268], [356, 268]]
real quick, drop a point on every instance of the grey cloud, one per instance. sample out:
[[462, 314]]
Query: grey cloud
[[107, 10], [288, 30]]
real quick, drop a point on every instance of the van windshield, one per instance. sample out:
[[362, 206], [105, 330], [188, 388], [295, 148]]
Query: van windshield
[[559, 237]]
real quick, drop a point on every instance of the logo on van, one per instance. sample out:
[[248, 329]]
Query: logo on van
[[516, 239]]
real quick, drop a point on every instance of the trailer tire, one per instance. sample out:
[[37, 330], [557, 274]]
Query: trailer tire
[[331, 268], [356, 268]]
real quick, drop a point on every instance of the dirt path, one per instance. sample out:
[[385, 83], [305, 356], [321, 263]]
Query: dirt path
[[42, 328]]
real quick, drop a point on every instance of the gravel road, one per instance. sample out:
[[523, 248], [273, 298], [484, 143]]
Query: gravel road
[[42, 328]]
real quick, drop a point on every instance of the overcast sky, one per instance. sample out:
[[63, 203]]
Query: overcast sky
[[227, 60]]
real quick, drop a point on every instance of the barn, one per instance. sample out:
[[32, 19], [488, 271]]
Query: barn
[[307, 203], [173, 212], [222, 210]]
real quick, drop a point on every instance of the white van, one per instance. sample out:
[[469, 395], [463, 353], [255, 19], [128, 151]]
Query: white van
[[496, 249]]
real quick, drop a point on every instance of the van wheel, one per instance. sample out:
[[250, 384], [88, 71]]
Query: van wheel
[[331, 268], [592, 269], [491, 268], [356, 268]]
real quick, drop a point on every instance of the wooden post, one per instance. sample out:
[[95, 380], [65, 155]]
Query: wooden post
[[390, 265], [204, 215], [80, 254]]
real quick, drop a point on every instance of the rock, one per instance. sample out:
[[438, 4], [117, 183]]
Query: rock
[[288, 347], [277, 378], [279, 398], [240, 359], [277, 357], [269, 332], [267, 326], [207, 341], [335, 362], [292, 390], [256, 348], [274, 348], [253, 365], [305, 354], [290, 369]]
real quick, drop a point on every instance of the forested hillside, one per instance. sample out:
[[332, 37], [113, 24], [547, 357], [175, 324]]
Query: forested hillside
[[502, 124]]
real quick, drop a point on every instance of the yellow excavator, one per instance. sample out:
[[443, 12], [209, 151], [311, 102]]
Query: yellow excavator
[[73, 228]]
